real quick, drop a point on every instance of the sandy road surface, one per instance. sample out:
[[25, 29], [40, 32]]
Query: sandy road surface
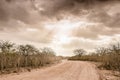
[[67, 70]]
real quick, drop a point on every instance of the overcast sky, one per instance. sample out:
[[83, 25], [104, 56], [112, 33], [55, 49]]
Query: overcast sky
[[63, 25]]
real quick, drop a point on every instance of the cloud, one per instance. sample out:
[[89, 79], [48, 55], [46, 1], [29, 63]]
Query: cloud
[[12, 9], [16, 16], [32, 11], [106, 17], [94, 31], [112, 21], [62, 8], [79, 43], [41, 36]]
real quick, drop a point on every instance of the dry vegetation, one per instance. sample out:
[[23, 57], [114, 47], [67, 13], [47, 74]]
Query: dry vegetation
[[14, 57], [109, 57]]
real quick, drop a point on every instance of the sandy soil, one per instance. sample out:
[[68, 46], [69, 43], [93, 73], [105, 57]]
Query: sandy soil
[[67, 70], [109, 75]]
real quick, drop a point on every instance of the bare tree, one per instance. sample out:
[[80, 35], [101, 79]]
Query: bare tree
[[115, 48], [102, 51], [79, 52], [6, 46], [6, 49], [48, 51]]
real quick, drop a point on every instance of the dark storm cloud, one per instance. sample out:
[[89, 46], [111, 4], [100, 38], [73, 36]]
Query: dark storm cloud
[[22, 9], [106, 19], [57, 7], [12, 9], [108, 24], [18, 16], [15, 14]]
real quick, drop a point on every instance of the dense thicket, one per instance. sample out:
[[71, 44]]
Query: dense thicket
[[14, 56], [110, 57]]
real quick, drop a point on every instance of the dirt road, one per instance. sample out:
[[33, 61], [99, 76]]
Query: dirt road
[[67, 70]]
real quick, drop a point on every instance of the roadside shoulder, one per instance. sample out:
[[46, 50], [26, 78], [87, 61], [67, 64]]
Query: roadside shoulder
[[107, 74]]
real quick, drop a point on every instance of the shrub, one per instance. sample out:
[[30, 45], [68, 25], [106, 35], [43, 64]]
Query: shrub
[[16, 56]]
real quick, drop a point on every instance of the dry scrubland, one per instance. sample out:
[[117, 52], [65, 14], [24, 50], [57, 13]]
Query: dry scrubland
[[14, 57], [109, 57]]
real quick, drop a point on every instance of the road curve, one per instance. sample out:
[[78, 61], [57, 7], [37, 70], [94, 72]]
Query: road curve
[[67, 70]]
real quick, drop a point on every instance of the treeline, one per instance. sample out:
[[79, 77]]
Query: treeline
[[109, 57], [14, 56]]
